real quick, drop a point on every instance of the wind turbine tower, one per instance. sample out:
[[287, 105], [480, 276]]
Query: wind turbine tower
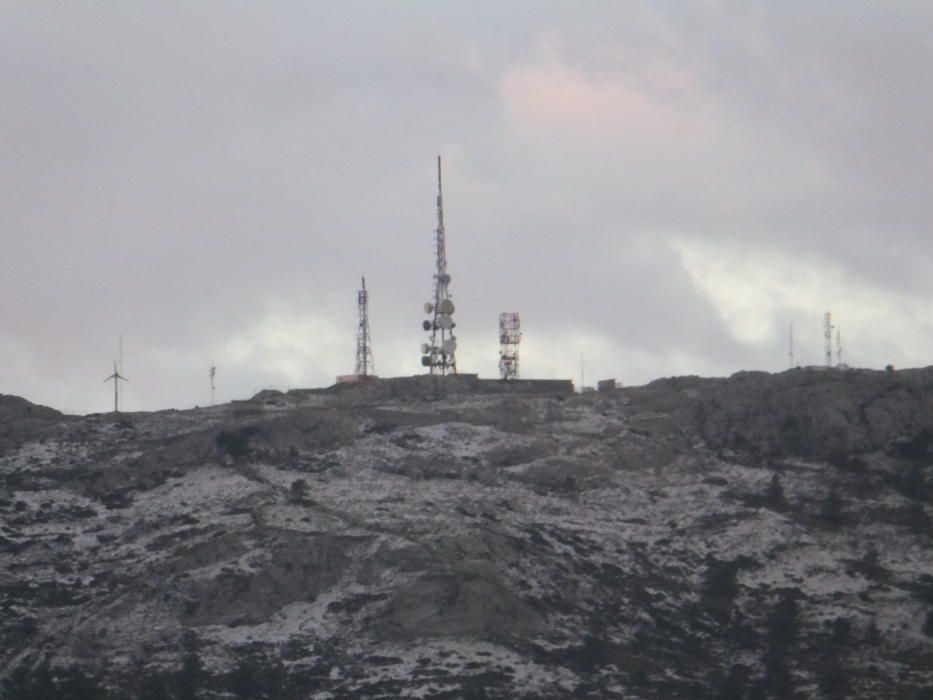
[[120, 362], [364, 343], [116, 377], [438, 355]]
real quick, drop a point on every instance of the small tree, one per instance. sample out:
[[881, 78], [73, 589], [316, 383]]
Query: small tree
[[842, 631], [832, 508], [189, 677], [298, 491], [75, 685], [872, 634], [153, 687], [928, 624], [774, 494]]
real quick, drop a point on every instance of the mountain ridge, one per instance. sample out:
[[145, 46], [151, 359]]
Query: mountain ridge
[[752, 536]]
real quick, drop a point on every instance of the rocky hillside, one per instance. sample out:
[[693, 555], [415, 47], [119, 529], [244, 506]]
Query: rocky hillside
[[752, 537]]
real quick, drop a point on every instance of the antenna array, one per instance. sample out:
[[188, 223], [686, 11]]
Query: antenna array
[[364, 347], [510, 335], [438, 355]]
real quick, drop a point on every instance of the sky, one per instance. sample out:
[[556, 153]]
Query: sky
[[661, 188]]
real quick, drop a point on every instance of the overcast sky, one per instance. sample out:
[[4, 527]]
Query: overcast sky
[[662, 187]]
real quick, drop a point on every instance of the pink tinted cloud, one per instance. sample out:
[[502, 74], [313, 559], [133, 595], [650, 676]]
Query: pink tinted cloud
[[551, 95]]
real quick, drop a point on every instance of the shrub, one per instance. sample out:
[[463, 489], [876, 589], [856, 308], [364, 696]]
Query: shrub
[[774, 494], [834, 682], [298, 491], [832, 508], [236, 442], [75, 685], [782, 622], [842, 631], [928, 624]]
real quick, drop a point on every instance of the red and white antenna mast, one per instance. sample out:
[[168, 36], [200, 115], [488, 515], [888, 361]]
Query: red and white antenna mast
[[510, 335]]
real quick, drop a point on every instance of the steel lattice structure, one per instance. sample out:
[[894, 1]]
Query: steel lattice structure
[[439, 354], [364, 343], [510, 335]]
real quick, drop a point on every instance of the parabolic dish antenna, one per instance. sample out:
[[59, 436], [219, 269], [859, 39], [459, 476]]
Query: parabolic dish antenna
[[445, 322], [428, 307], [450, 345], [446, 306]]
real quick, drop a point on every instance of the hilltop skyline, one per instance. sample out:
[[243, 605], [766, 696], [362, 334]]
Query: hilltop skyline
[[661, 188]]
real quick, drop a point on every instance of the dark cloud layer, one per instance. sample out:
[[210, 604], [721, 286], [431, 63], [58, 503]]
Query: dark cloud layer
[[661, 187]]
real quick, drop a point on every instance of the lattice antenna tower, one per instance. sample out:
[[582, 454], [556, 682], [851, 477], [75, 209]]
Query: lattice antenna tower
[[439, 354], [510, 335], [364, 342], [828, 337], [839, 362]]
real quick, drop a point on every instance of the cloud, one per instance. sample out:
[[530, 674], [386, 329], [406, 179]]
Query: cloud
[[656, 186]]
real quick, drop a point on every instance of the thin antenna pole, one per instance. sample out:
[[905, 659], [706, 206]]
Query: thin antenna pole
[[838, 347]]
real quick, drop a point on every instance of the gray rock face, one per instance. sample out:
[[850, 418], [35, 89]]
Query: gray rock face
[[756, 536]]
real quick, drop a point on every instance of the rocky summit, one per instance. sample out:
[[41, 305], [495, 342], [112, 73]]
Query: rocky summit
[[761, 536]]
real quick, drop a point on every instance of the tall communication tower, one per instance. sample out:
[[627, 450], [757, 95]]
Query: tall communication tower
[[828, 337], [790, 346], [839, 362], [438, 355], [213, 387], [510, 335], [364, 343]]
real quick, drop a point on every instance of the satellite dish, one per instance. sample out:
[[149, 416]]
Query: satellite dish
[[428, 307], [426, 325], [445, 322], [425, 348], [450, 345], [426, 360], [443, 278], [446, 306]]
